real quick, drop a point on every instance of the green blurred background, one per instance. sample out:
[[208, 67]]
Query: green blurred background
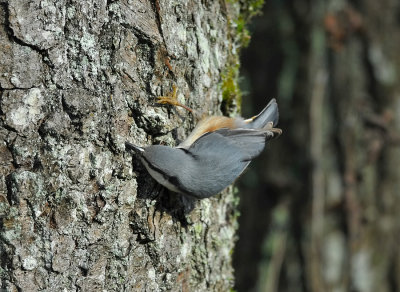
[[320, 208]]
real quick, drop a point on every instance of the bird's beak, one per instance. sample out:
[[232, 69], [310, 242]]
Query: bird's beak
[[130, 146]]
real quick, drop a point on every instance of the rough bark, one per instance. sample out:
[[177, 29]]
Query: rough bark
[[77, 80], [330, 215]]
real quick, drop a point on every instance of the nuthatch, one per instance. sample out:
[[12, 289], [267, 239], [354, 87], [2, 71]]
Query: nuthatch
[[216, 152]]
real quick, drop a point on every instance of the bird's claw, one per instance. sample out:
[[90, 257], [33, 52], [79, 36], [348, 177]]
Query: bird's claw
[[171, 99], [277, 132]]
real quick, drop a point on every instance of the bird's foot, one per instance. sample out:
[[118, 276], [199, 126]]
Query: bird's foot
[[275, 131], [171, 99]]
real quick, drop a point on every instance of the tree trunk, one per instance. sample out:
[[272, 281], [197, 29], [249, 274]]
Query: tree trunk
[[331, 199], [78, 79]]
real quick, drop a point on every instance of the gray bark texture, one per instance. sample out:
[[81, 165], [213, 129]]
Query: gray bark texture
[[77, 80]]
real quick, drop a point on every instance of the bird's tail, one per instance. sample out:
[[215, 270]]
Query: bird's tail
[[269, 114]]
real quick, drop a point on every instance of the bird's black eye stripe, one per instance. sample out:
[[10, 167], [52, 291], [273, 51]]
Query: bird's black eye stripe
[[172, 179], [156, 169]]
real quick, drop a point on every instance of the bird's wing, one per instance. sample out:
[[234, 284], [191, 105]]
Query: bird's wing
[[249, 142], [219, 157]]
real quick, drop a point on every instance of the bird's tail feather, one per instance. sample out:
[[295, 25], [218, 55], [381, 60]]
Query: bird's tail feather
[[269, 114]]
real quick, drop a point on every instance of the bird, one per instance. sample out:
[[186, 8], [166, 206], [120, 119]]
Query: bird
[[213, 156]]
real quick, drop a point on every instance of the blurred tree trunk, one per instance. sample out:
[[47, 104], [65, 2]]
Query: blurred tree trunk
[[77, 80], [329, 209]]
